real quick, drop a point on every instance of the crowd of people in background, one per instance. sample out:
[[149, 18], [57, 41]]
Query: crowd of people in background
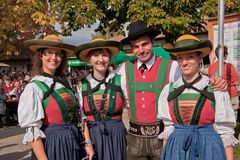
[[11, 87], [191, 103]]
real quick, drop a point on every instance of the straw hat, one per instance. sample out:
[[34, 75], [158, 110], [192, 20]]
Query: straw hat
[[137, 29], [189, 43], [50, 41], [98, 43]]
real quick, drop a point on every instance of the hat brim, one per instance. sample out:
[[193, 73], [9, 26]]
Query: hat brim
[[150, 32], [83, 50], [204, 47], [34, 45]]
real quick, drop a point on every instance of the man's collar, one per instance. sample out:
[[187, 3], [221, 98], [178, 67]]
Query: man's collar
[[149, 63]]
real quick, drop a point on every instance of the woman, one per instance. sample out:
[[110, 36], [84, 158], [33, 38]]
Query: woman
[[230, 74], [102, 100], [47, 105], [199, 122]]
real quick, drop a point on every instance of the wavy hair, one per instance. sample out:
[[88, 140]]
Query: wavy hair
[[37, 66]]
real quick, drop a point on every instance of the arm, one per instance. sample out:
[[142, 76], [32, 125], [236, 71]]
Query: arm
[[30, 113], [225, 122], [164, 114], [219, 84], [88, 144], [38, 149], [121, 70], [229, 153], [175, 72]]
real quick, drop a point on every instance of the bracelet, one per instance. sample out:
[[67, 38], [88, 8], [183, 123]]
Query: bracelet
[[87, 142]]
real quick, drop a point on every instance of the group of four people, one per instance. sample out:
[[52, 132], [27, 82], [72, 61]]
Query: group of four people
[[199, 122]]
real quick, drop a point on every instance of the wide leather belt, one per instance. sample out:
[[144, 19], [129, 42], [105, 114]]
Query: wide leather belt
[[145, 129]]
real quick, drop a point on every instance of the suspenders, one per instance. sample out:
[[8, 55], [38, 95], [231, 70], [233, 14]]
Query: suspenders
[[134, 86], [112, 87], [56, 95], [200, 98]]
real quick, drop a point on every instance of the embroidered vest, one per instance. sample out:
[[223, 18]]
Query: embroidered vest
[[192, 108], [144, 89], [60, 106], [103, 104]]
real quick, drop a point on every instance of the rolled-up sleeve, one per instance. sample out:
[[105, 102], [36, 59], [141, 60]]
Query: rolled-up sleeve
[[31, 113], [225, 120], [164, 114]]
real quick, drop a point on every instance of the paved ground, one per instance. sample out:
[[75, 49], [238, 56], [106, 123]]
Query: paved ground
[[11, 147]]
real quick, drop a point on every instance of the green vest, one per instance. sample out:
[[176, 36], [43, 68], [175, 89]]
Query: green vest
[[134, 86]]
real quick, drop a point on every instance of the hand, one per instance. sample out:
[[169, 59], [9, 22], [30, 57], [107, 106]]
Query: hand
[[90, 151], [219, 84]]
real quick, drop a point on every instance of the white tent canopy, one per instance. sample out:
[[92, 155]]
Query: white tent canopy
[[4, 64]]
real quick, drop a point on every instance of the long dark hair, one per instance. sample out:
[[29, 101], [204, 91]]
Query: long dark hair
[[37, 64]]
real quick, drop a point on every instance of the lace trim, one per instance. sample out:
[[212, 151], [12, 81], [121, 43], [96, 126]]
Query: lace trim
[[229, 141], [31, 134]]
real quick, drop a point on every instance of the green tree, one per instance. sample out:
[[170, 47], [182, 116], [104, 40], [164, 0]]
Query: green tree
[[171, 17], [24, 19]]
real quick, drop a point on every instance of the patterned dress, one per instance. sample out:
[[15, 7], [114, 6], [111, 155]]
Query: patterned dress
[[103, 105], [50, 118], [196, 128]]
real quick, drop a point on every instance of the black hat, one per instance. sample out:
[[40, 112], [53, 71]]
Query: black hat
[[137, 29]]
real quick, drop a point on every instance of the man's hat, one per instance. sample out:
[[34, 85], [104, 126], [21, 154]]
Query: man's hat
[[98, 43], [137, 29], [50, 41], [190, 43]]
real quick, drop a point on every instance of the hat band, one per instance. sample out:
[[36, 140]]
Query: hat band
[[187, 42], [53, 39]]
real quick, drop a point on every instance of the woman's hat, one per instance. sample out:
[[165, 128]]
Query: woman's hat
[[137, 29], [98, 43], [190, 43], [50, 41]]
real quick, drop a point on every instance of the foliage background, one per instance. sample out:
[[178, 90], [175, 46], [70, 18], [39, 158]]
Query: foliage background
[[25, 19]]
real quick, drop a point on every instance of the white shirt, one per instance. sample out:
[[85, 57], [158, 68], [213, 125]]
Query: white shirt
[[174, 74], [30, 109], [224, 115], [93, 82]]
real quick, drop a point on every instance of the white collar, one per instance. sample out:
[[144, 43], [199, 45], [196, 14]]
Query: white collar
[[199, 85], [91, 79], [149, 63]]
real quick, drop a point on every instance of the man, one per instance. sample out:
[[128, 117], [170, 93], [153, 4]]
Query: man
[[143, 79]]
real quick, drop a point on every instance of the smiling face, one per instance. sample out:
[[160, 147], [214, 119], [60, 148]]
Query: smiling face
[[99, 59], [189, 63], [142, 48], [51, 60]]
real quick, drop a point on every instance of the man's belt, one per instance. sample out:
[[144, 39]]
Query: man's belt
[[145, 129]]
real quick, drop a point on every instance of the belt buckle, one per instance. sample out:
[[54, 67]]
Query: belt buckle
[[150, 130]]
